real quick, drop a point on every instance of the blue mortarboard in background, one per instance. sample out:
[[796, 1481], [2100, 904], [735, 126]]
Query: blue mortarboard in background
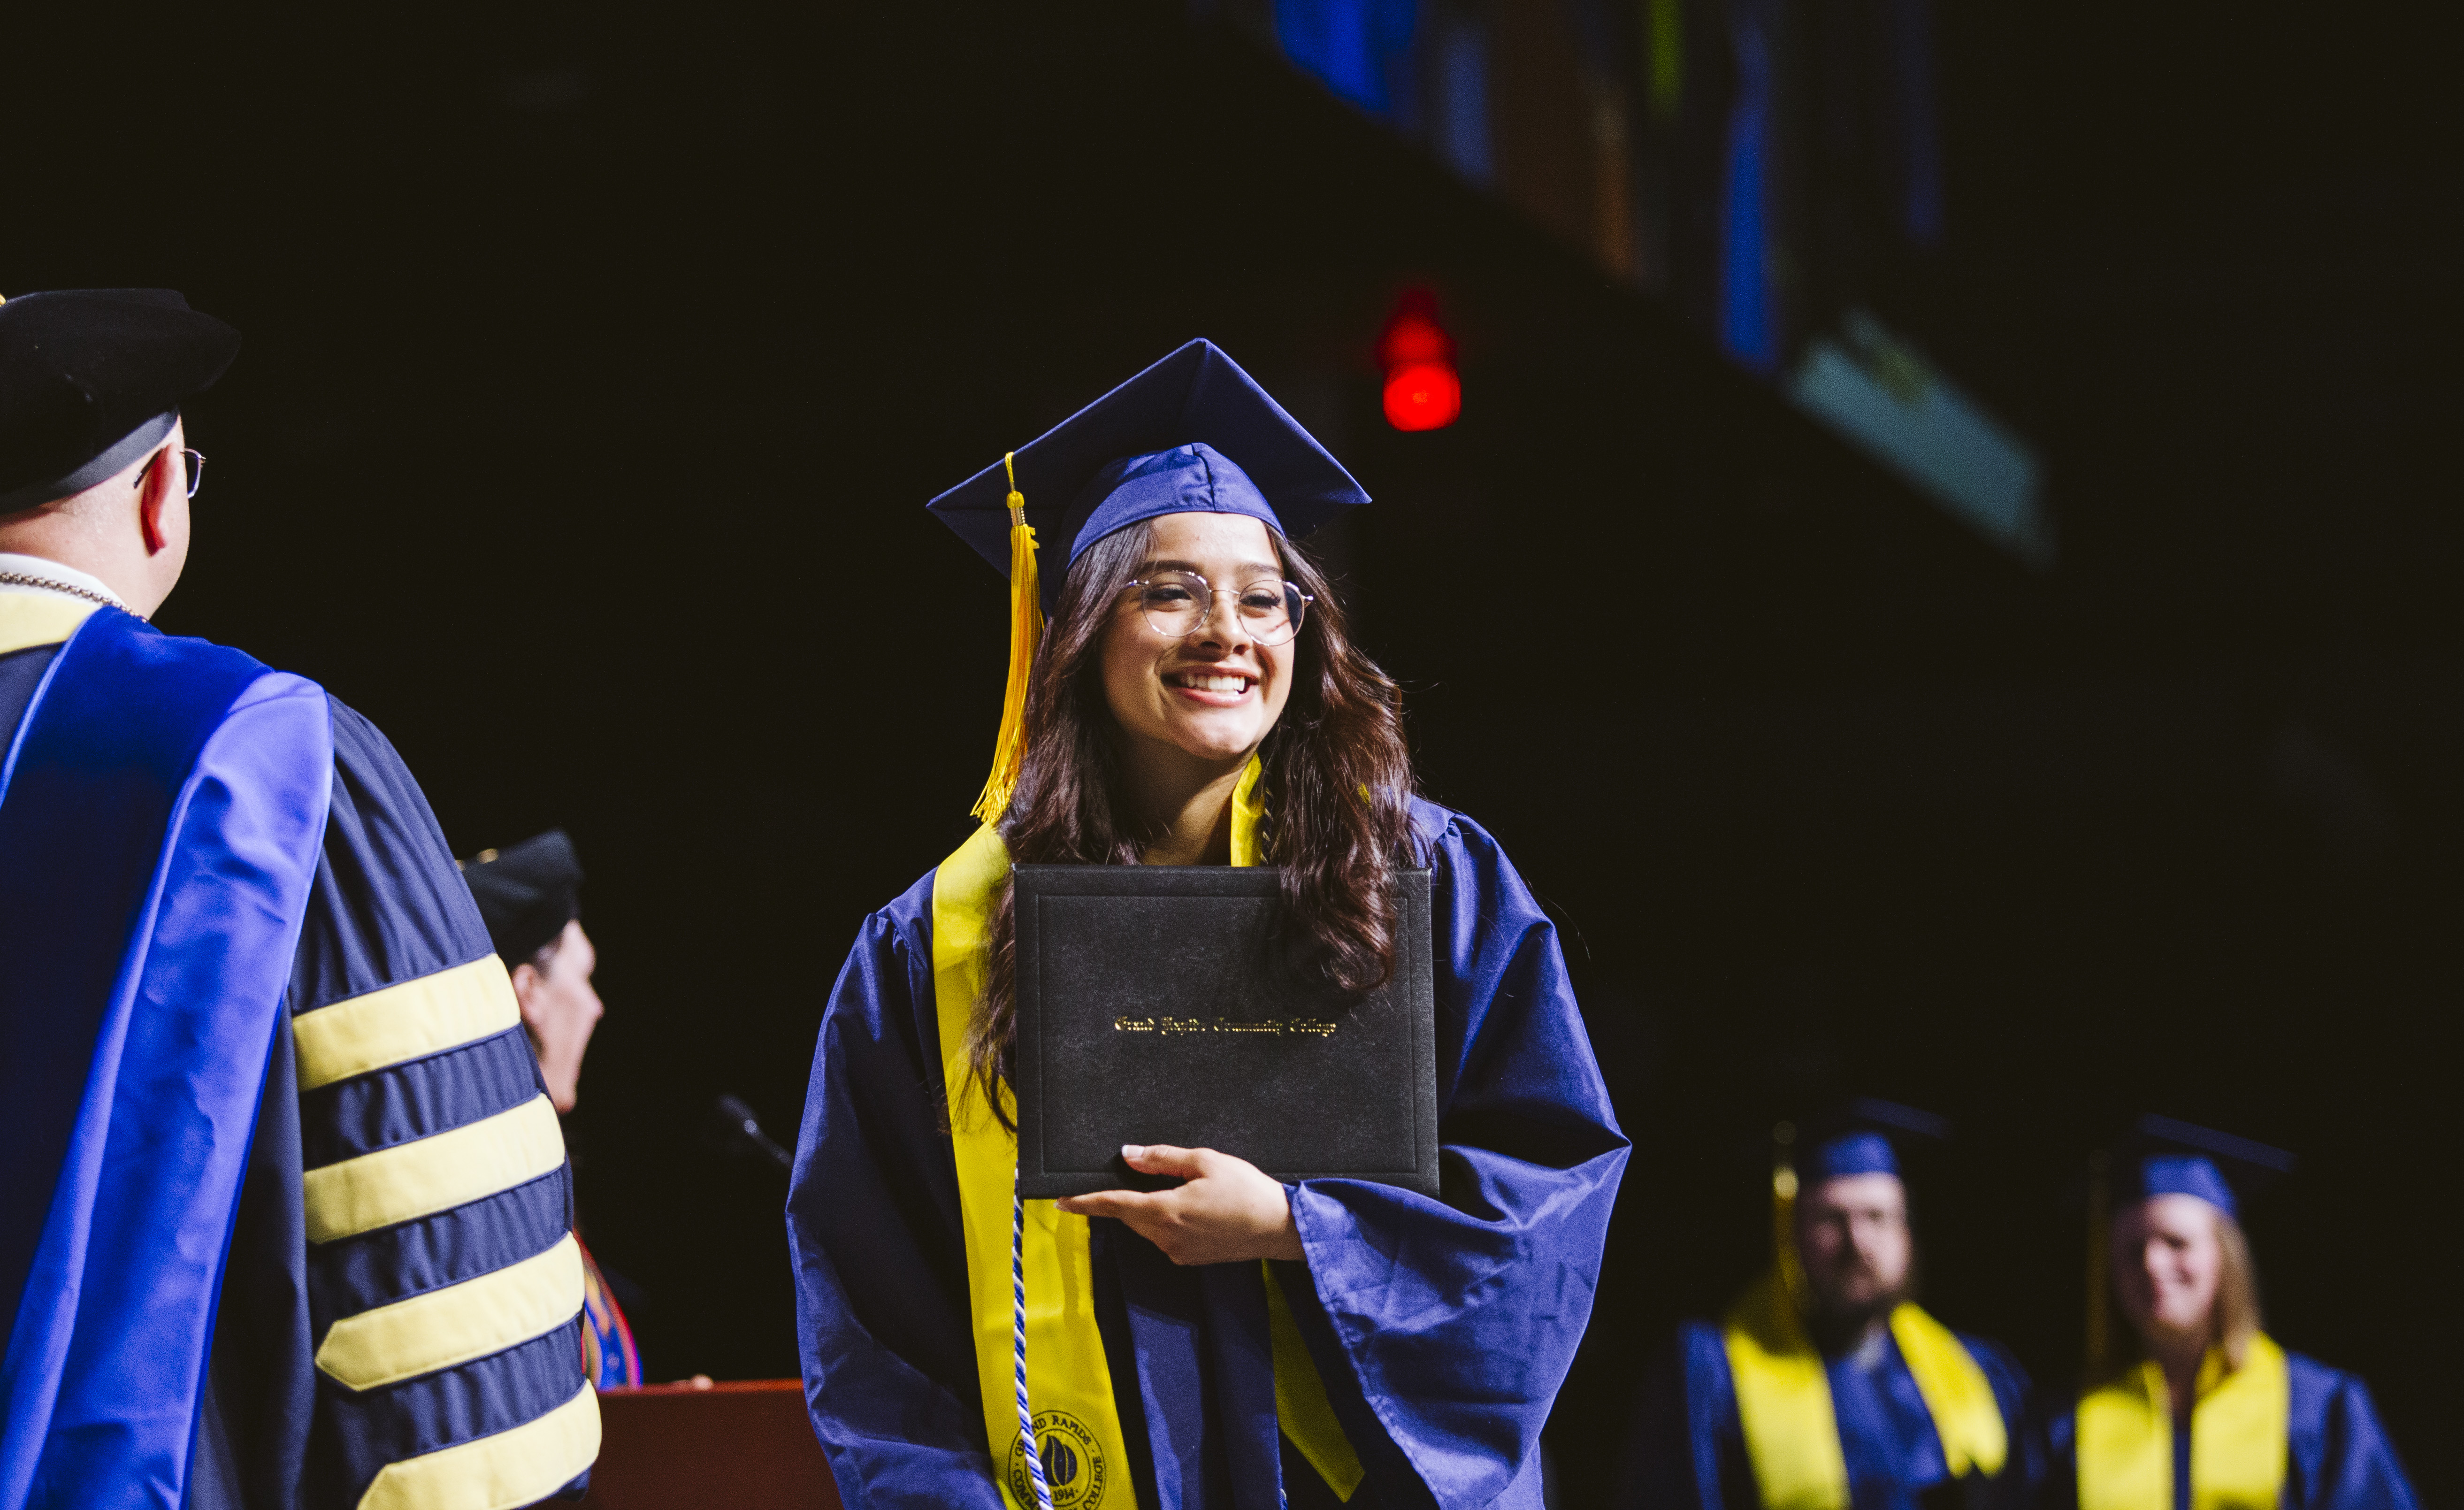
[[1862, 1135], [1192, 434], [2162, 1156]]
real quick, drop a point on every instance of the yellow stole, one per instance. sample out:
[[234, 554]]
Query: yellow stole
[[1784, 1399], [2238, 1429], [28, 619], [1069, 1382]]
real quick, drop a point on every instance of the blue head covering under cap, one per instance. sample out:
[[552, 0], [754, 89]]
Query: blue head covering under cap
[[2163, 1156], [1195, 479], [1861, 1136], [1192, 434], [2177, 1174], [1851, 1153]]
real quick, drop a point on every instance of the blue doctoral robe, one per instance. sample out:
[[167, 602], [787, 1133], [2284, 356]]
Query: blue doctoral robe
[[1688, 1447], [1442, 1330], [2338, 1457], [196, 855]]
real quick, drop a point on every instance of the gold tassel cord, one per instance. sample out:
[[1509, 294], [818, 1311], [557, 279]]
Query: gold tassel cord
[[1025, 631], [1791, 1268]]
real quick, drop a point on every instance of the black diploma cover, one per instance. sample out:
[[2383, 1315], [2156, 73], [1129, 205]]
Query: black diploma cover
[[1152, 1007]]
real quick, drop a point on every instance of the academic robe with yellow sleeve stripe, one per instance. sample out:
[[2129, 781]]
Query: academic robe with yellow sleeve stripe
[[284, 1211], [1440, 1328]]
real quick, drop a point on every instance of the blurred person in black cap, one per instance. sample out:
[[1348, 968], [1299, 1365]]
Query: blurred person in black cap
[[282, 1202], [530, 894], [2195, 1406], [1827, 1387]]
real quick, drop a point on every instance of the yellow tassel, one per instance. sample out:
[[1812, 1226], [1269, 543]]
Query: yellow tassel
[[1792, 1268], [1025, 630]]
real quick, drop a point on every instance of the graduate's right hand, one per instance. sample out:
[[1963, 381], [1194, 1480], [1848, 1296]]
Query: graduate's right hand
[[1226, 1210]]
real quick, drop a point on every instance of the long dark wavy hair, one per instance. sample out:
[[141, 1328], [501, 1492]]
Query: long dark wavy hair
[[1337, 785]]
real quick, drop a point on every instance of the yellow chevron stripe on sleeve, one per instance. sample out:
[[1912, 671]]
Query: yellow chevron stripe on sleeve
[[436, 1173], [457, 1324], [28, 619], [409, 1021], [520, 1467]]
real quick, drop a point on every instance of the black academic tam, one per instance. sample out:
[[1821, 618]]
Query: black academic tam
[[91, 379]]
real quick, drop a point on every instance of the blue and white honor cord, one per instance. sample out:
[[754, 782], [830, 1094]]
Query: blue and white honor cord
[[1017, 1347], [1017, 1351]]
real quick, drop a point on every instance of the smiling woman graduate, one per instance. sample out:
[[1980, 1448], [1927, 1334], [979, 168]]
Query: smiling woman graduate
[[2192, 1406], [1232, 1340]]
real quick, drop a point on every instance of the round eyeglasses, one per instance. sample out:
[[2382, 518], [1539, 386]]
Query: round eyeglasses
[[1178, 603], [195, 462]]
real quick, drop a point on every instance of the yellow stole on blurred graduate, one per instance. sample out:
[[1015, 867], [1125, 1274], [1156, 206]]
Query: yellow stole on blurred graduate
[[1069, 1384], [1784, 1399], [2238, 1429]]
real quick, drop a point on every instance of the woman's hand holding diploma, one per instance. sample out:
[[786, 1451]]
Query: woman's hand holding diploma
[[1228, 1211]]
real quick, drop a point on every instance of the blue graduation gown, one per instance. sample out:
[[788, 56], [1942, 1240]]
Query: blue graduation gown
[[197, 856], [1688, 1447], [1442, 1330], [2338, 1457]]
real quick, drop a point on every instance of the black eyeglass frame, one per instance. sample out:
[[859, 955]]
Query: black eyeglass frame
[[1295, 604]]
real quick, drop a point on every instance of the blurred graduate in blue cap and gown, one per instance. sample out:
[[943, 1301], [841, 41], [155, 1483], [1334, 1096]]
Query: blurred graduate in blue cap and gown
[[2192, 1406], [1229, 1343], [1826, 1386], [283, 1202]]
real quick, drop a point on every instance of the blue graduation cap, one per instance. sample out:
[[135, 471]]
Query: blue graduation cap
[[1863, 1135], [1192, 434], [2164, 1156]]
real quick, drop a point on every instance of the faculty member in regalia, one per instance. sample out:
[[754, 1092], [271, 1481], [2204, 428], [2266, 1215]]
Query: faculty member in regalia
[[282, 1198], [1230, 1342], [2192, 1406], [1827, 1387], [530, 897]]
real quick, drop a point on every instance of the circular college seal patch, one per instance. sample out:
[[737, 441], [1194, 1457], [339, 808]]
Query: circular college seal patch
[[1073, 1462]]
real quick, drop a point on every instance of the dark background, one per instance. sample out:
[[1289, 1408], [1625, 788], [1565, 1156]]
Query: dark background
[[600, 360]]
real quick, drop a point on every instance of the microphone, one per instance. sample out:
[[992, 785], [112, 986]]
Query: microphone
[[739, 1131]]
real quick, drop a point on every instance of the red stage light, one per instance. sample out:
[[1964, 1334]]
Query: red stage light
[[1422, 391], [1423, 395]]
